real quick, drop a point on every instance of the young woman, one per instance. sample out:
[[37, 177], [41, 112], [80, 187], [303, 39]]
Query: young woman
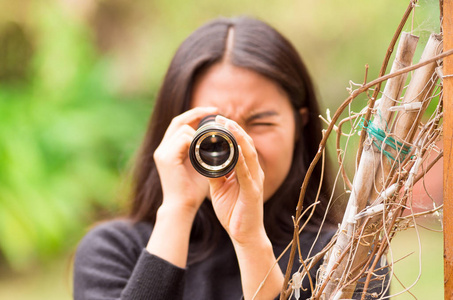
[[190, 237]]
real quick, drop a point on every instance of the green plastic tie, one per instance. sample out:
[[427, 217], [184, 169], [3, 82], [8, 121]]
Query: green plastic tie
[[381, 137]]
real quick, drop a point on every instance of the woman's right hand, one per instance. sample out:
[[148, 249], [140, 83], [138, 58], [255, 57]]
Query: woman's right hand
[[183, 188]]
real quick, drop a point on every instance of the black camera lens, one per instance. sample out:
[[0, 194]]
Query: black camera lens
[[213, 151]]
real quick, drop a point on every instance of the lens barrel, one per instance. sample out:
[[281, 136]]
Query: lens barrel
[[214, 150]]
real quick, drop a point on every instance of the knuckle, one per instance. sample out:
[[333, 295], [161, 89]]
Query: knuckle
[[157, 154], [254, 155], [187, 128], [176, 120], [250, 140]]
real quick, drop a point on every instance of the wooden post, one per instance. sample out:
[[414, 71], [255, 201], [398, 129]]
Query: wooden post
[[448, 153]]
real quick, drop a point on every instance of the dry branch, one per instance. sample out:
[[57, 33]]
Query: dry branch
[[364, 178], [340, 286], [335, 118]]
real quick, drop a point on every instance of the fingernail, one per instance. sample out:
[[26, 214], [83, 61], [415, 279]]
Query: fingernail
[[210, 109], [221, 119], [231, 125]]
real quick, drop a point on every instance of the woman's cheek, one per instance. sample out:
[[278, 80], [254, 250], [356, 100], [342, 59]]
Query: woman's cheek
[[273, 162]]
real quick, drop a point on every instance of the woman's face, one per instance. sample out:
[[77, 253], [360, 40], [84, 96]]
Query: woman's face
[[261, 107]]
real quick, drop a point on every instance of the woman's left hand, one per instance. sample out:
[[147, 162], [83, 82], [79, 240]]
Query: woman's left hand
[[238, 197], [238, 203]]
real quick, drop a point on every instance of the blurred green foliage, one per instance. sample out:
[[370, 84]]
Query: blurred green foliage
[[78, 79], [65, 139]]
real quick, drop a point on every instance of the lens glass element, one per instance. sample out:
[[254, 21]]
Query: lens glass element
[[214, 150]]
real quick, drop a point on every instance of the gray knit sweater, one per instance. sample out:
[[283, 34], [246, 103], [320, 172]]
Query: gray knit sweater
[[111, 262]]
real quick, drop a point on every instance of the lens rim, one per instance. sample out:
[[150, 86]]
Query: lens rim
[[202, 167], [200, 159]]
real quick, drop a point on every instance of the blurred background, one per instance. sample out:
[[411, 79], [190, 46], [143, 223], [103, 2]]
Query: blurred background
[[77, 83]]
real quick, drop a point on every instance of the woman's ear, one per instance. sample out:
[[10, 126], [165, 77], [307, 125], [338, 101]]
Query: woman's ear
[[302, 120], [303, 113]]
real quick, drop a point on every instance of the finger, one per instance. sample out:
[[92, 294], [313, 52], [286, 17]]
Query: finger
[[242, 170], [224, 122], [216, 184], [176, 146], [191, 117], [248, 148], [183, 137]]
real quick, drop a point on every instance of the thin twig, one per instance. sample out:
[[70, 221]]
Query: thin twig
[[322, 144], [382, 72]]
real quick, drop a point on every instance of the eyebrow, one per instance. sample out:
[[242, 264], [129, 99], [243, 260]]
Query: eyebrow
[[264, 114]]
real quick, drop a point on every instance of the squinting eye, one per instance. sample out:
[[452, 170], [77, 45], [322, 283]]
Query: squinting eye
[[262, 124]]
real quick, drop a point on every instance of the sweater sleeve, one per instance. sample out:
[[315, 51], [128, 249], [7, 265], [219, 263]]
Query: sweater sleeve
[[111, 263]]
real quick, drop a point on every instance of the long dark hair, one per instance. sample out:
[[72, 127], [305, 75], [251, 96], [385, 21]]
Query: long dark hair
[[258, 47]]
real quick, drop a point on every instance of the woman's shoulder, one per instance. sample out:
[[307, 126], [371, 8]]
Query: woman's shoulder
[[314, 234], [122, 235], [119, 226]]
